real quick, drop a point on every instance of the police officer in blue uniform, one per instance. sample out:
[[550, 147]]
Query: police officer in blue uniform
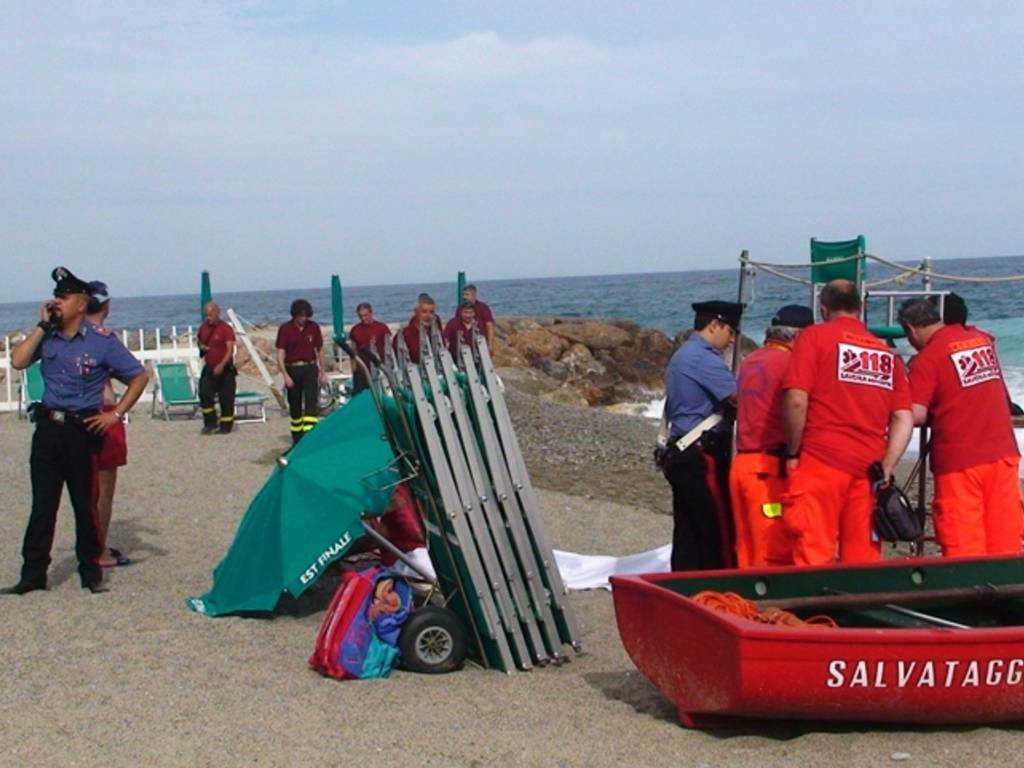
[[699, 383], [77, 360]]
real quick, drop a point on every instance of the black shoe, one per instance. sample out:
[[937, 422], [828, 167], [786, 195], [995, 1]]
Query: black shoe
[[96, 587], [223, 431], [208, 430], [23, 587]]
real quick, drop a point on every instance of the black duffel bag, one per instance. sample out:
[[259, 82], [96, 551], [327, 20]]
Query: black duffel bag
[[894, 518]]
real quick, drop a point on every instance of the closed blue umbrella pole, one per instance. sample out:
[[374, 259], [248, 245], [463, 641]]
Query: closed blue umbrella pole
[[337, 309], [205, 294]]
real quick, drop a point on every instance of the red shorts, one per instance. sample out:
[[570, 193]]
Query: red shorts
[[114, 452]]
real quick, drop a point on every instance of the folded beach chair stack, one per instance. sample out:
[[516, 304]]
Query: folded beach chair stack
[[487, 541]]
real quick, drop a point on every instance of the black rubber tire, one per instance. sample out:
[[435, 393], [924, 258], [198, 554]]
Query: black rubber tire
[[432, 641]]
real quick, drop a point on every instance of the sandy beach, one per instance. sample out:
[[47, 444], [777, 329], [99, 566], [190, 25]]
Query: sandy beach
[[131, 677]]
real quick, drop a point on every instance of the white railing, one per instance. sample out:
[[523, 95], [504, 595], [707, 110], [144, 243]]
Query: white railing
[[148, 347]]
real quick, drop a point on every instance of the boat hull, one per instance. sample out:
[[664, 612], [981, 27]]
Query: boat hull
[[711, 664]]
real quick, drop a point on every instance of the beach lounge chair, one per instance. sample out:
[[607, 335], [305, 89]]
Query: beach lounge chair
[[176, 389], [31, 389]]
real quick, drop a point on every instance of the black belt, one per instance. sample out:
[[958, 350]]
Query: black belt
[[61, 417]]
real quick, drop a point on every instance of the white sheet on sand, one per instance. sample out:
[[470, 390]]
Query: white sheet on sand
[[593, 571]]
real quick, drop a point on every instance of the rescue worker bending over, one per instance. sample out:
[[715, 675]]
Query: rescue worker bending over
[[697, 383], [757, 479], [957, 386], [300, 356], [847, 406], [218, 378]]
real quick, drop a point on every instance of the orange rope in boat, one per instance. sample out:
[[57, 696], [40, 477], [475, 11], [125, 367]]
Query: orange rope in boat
[[730, 602]]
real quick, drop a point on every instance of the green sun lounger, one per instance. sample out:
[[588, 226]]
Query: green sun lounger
[[31, 390], [176, 392]]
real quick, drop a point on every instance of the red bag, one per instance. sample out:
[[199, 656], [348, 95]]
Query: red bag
[[346, 612]]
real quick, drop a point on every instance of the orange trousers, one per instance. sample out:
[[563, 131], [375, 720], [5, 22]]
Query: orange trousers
[[978, 510], [756, 490], [829, 512]]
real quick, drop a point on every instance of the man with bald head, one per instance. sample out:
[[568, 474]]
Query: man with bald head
[[217, 381], [846, 407]]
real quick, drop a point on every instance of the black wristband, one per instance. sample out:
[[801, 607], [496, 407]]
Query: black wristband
[[46, 325]]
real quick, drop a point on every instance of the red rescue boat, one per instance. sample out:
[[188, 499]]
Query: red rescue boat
[[928, 641]]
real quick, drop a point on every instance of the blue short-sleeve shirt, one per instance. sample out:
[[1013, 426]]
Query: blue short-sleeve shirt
[[696, 381], [76, 369]]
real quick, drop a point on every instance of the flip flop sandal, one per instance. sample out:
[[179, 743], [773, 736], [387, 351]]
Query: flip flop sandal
[[119, 557]]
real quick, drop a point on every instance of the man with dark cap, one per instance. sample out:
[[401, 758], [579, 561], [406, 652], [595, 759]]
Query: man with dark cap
[[114, 451], [757, 479], [699, 384], [846, 408], [957, 387], [77, 359]]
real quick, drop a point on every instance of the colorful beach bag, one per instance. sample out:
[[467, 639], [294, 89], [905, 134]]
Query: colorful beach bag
[[358, 638]]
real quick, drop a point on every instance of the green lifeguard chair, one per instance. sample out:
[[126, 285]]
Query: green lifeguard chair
[[847, 268]]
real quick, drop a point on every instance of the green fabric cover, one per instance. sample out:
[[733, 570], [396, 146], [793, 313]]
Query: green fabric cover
[[175, 382], [848, 270], [308, 513]]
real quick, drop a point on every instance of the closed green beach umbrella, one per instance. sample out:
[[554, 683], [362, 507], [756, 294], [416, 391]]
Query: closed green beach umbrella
[[205, 294], [308, 514], [337, 309]]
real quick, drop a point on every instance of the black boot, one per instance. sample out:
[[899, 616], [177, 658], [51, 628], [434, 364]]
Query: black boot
[[96, 587], [24, 587]]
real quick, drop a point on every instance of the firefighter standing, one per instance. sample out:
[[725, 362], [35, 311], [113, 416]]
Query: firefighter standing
[[697, 383], [300, 355], [77, 359], [956, 385], [757, 478], [367, 334], [846, 407], [462, 325], [217, 382]]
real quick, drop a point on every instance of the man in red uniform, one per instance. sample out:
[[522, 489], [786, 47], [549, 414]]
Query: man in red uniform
[[368, 333], [300, 356], [217, 381], [484, 316], [846, 407], [956, 385], [464, 325], [757, 478], [423, 319]]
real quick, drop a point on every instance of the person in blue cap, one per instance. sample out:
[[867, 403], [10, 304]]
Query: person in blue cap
[[697, 384], [77, 359]]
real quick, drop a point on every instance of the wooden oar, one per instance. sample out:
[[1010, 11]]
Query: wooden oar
[[978, 594]]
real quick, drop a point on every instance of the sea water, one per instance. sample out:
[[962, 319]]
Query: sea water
[[659, 300]]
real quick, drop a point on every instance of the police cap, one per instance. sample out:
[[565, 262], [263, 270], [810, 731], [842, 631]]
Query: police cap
[[727, 311], [794, 316], [67, 283]]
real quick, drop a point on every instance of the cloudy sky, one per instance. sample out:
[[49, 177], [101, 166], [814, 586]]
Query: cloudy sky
[[277, 142]]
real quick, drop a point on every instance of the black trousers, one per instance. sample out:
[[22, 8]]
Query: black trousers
[[218, 388], [303, 399], [359, 381], [702, 532], [62, 454]]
